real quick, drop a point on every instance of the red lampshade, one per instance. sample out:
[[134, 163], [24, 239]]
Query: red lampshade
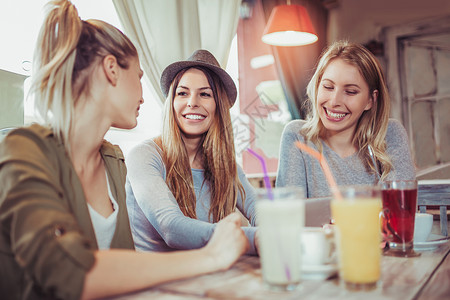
[[289, 25]]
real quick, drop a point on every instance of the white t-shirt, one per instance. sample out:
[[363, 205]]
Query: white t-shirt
[[104, 228]]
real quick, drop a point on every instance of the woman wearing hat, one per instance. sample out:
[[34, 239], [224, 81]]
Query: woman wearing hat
[[183, 182], [64, 224], [349, 117]]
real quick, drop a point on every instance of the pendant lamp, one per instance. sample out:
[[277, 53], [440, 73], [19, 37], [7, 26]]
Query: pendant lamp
[[289, 25]]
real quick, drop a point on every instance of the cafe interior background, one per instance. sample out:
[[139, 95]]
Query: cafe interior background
[[411, 38]]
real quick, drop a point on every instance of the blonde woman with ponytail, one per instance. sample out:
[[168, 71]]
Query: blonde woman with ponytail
[[349, 116], [64, 224], [183, 182]]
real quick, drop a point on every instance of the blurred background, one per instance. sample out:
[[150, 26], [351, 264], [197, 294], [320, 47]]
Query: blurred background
[[411, 39]]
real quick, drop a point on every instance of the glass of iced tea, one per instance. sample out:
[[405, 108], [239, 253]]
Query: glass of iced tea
[[399, 199]]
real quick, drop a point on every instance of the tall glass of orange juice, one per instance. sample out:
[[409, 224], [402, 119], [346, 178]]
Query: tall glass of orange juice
[[356, 216]]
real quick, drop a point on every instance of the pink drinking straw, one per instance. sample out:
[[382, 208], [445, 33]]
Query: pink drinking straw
[[265, 174], [270, 196], [325, 168]]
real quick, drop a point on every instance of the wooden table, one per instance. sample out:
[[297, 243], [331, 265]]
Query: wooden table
[[420, 278]]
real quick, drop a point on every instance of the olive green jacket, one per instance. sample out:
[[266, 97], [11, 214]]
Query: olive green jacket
[[47, 241]]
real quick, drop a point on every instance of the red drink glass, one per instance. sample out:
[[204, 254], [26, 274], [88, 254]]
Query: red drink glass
[[399, 199]]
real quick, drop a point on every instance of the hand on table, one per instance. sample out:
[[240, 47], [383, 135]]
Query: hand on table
[[228, 242]]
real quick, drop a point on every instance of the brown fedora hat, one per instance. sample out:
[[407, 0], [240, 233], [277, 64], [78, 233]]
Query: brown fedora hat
[[202, 58]]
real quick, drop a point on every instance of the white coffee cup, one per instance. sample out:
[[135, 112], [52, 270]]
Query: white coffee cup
[[422, 227], [317, 246]]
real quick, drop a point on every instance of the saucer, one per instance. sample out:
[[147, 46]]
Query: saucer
[[318, 272], [434, 240]]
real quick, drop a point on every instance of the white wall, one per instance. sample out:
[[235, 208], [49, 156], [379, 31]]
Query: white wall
[[11, 99]]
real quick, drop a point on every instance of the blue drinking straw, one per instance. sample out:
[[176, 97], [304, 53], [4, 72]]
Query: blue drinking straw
[[266, 175]]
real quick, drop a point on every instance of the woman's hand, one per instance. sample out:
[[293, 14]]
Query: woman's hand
[[228, 242], [118, 271]]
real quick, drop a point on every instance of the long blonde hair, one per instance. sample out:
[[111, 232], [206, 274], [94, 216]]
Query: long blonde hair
[[372, 126], [66, 52], [217, 150]]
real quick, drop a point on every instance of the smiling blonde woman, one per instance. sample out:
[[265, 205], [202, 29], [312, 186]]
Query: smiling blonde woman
[[349, 115]]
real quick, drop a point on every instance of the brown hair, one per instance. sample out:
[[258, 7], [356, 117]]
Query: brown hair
[[217, 150]]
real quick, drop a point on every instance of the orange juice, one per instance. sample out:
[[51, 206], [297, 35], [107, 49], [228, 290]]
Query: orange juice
[[358, 240]]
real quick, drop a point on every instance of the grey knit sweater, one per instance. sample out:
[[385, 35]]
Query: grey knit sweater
[[298, 168], [157, 222]]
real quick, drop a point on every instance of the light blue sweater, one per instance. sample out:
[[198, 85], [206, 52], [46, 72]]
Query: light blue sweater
[[300, 169], [157, 222]]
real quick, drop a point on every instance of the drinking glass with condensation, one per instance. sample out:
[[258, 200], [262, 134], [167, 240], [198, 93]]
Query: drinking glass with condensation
[[399, 211], [356, 216], [280, 218]]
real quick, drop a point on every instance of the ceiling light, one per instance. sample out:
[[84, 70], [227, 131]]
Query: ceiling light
[[289, 25]]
